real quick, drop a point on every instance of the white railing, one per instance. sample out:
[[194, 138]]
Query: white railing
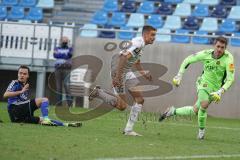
[[31, 40]]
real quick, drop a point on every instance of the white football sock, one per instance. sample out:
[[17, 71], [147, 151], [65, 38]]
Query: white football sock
[[135, 110]]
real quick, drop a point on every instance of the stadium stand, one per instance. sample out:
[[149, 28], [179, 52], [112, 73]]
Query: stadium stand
[[181, 38], [162, 35], [126, 35], [35, 14], [87, 32], [193, 17], [200, 40], [117, 19], [183, 9], [136, 20], [16, 13], [155, 20], [165, 9], [3, 12], [200, 10], [191, 23], [100, 18], [110, 5], [146, 7], [9, 2], [28, 3]]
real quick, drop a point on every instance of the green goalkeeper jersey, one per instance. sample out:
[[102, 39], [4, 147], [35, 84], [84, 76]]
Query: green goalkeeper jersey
[[216, 73]]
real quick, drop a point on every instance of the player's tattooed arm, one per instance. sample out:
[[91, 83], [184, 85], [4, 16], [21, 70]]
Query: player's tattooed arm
[[120, 68], [145, 74]]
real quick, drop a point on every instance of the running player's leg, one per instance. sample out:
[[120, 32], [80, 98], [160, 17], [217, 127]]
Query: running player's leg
[[135, 91], [202, 105], [116, 100], [180, 111], [135, 111]]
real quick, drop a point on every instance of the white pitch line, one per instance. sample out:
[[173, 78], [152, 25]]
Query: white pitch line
[[175, 157]]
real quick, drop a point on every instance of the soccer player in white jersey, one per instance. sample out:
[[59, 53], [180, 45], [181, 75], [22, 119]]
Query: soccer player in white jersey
[[122, 75]]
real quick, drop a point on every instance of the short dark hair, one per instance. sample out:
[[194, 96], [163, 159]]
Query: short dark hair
[[24, 67], [148, 28], [222, 40]]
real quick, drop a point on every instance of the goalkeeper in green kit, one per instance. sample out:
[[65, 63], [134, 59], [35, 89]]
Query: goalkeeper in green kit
[[216, 78]]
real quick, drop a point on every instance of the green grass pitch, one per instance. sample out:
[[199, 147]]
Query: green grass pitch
[[102, 138]]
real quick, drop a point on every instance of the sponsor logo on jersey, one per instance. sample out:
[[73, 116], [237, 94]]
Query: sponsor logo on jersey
[[231, 67]]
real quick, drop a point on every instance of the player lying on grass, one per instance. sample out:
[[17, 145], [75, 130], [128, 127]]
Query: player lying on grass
[[216, 78], [122, 75], [21, 108]]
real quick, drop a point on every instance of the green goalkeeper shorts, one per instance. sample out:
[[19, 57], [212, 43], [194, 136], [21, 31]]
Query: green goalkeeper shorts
[[203, 95]]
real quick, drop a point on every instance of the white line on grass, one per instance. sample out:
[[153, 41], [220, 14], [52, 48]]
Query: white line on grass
[[175, 157]]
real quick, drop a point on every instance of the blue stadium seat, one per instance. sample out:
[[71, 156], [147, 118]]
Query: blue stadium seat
[[201, 10], [107, 34], [191, 1], [48, 4], [146, 7], [136, 20], [9, 2], [157, 0], [118, 19], [182, 9], [155, 20], [139, 32], [219, 11], [234, 13], [3, 12], [28, 3], [235, 41], [100, 18], [89, 33], [228, 2], [209, 24], [162, 35], [228, 26], [165, 9], [181, 38], [173, 22], [200, 40], [173, 1], [110, 5], [16, 13], [35, 14], [191, 23], [210, 2], [129, 6], [126, 35]]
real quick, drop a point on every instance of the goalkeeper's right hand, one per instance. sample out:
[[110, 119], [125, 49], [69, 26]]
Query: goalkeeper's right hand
[[177, 79]]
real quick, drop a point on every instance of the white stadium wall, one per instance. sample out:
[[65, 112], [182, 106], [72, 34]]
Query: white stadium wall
[[170, 55]]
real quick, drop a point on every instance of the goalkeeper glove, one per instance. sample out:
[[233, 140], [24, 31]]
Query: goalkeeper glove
[[177, 79], [216, 96]]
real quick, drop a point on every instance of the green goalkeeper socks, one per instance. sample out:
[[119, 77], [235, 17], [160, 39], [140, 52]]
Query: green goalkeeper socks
[[183, 111], [202, 118]]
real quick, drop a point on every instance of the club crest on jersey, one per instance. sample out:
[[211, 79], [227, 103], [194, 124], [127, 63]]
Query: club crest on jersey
[[231, 67], [218, 63], [137, 51]]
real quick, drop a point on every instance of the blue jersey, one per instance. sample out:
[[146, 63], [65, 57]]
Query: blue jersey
[[63, 55], [14, 86]]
